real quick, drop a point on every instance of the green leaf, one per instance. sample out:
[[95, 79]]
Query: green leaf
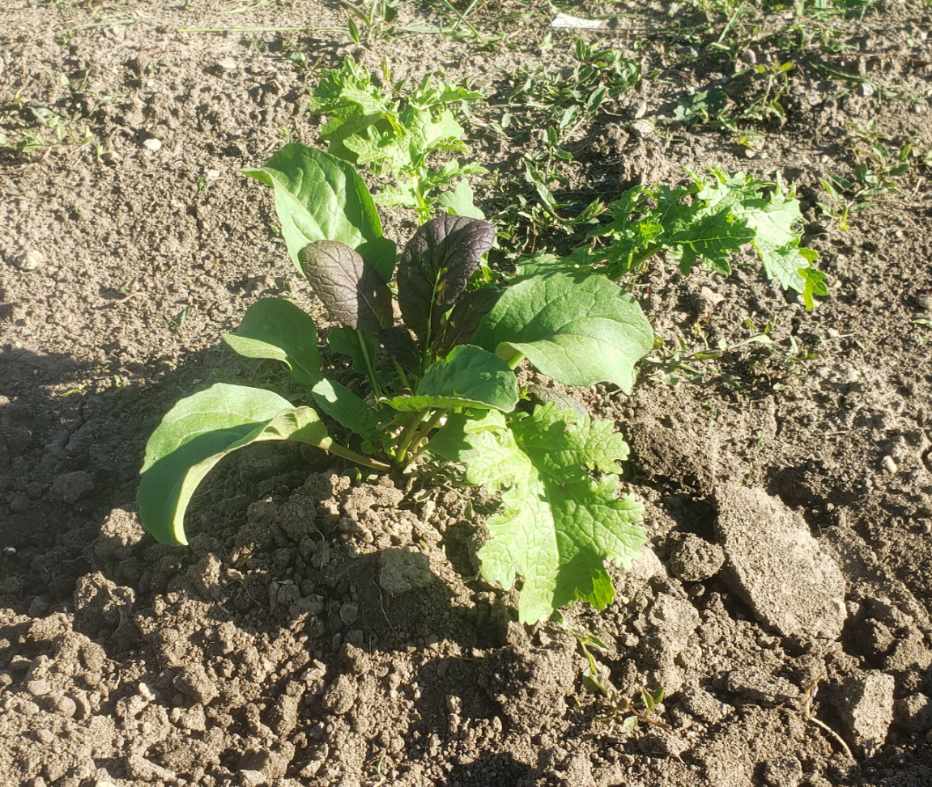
[[460, 201], [468, 377], [435, 268], [345, 407], [577, 332], [346, 342], [352, 292], [319, 197], [700, 232], [197, 433], [558, 525], [276, 329]]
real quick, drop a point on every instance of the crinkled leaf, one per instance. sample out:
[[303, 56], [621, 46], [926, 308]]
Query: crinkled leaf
[[707, 224], [352, 292], [320, 197], [777, 243], [577, 332], [463, 320], [197, 433], [558, 525], [468, 377], [276, 329], [435, 267], [700, 233], [345, 407]]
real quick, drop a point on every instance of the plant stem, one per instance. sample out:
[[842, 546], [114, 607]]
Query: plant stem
[[422, 431], [348, 453], [370, 369], [406, 436]]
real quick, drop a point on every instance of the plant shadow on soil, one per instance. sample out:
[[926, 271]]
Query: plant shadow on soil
[[70, 543]]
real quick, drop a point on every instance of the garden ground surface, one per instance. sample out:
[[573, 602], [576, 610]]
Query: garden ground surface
[[326, 628]]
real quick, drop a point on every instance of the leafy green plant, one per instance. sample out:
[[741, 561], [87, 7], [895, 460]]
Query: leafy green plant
[[400, 135], [440, 380], [708, 222]]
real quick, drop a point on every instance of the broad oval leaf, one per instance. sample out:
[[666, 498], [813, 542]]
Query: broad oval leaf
[[558, 525], [345, 407], [352, 292], [320, 197], [276, 329], [577, 332], [197, 433], [468, 377], [435, 267]]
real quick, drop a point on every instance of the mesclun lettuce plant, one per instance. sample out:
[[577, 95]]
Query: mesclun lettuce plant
[[398, 135], [708, 222], [442, 379]]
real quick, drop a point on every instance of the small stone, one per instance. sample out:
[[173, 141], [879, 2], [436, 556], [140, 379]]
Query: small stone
[[925, 302], [644, 127], [401, 570], [194, 719], [30, 259], [340, 695], [6, 679], [39, 687], [783, 772], [349, 612], [889, 464], [66, 707], [914, 713], [909, 654], [152, 144], [252, 777], [227, 64], [144, 770], [866, 709], [28, 708], [707, 300], [194, 682], [694, 559], [775, 565], [71, 487], [145, 692], [45, 737], [645, 565], [760, 688], [211, 175]]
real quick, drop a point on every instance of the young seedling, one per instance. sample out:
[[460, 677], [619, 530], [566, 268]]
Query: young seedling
[[708, 222], [441, 380], [399, 135]]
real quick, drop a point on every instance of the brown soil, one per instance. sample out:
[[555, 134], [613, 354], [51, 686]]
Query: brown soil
[[326, 628]]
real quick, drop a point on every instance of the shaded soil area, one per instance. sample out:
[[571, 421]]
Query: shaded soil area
[[327, 627]]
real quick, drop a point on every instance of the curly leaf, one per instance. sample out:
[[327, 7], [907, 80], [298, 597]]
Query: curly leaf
[[320, 197], [577, 332], [351, 291], [435, 267], [197, 433], [558, 525], [468, 377], [276, 329]]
